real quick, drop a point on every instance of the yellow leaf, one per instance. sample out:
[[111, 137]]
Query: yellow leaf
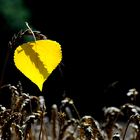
[[36, 60]]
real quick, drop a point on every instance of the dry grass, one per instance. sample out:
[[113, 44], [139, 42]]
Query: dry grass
[[27, 119]]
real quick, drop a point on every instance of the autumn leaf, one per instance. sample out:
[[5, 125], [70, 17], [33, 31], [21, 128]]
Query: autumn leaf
[[37, 60]]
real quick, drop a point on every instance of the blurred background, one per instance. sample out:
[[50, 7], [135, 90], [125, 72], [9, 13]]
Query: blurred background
[[100, 49]]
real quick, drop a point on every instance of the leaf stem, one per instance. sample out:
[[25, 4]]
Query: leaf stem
[[31, 31]]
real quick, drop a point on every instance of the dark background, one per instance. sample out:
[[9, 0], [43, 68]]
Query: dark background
[[100, 45]]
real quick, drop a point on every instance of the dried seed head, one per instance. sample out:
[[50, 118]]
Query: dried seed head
[[116, 136], [87, 121], [132, 92]]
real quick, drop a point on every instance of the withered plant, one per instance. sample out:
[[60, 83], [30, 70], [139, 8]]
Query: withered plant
[[27, 118]]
